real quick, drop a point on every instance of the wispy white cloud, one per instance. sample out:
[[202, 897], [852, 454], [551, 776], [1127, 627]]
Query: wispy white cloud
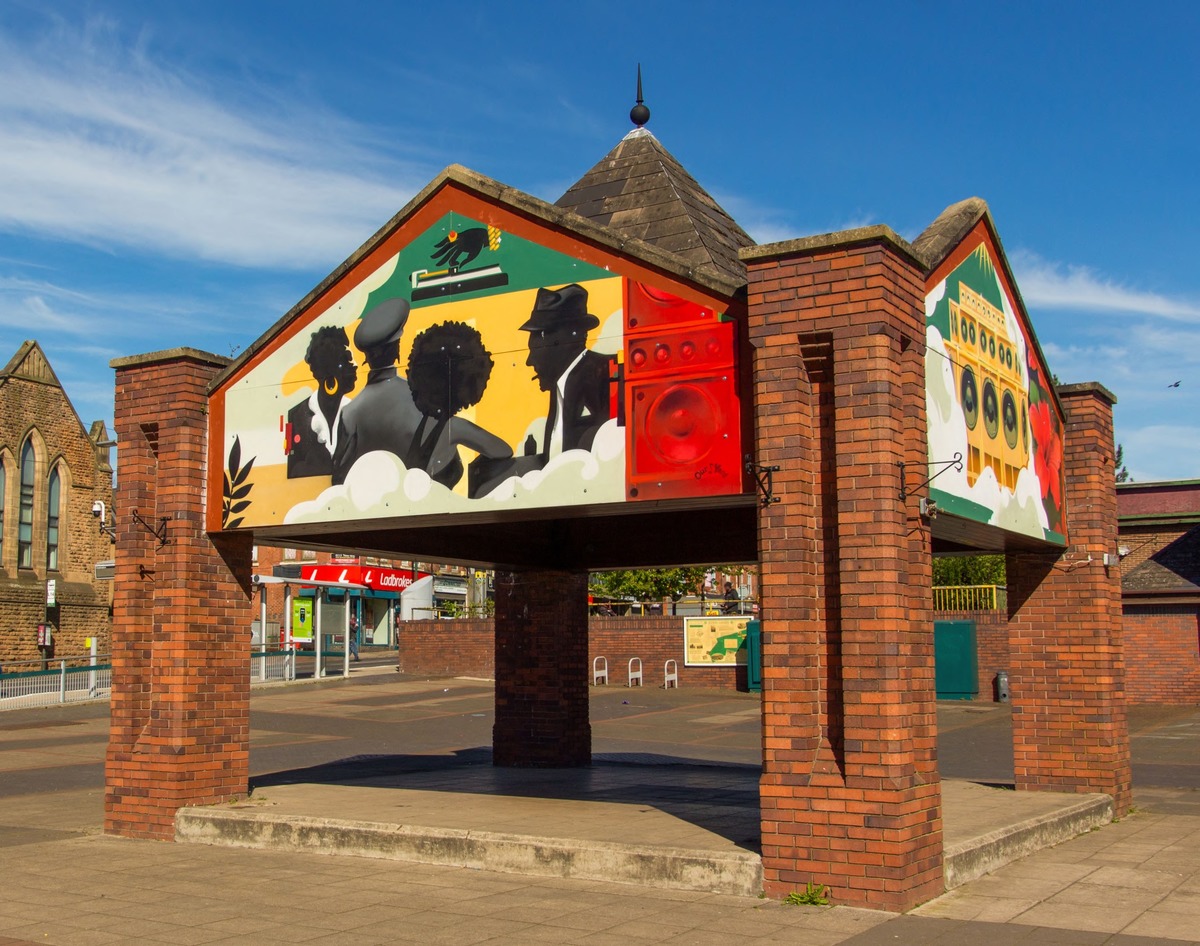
[[1050, 285], [103, 145]]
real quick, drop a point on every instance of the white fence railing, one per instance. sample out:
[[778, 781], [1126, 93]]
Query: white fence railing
[[61, 680], [267, 666], [29, 683]]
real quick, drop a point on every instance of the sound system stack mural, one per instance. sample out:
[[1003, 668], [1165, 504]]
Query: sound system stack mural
[[989, 400]]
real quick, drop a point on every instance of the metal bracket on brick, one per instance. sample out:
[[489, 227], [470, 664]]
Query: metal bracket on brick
[[956, 463], [763, 476], [160, 533]]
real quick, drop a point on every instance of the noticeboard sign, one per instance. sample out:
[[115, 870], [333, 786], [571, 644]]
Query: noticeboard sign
[[302, 619], [715, 641]]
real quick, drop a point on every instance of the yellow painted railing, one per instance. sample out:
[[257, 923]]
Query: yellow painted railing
[[969, 598]]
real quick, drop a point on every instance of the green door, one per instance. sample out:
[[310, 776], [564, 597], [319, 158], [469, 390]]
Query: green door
[[956, 660]]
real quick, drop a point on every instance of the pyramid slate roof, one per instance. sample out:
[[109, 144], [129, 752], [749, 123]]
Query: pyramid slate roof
[[639, 190]]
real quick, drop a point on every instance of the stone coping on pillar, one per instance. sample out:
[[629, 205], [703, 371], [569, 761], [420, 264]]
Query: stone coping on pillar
[[879, 233], [170, 354], [1086, 387]]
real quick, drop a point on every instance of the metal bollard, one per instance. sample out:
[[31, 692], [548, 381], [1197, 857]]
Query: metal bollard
[[1002, 686]]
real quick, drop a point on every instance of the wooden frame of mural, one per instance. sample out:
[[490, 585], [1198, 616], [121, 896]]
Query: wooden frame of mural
[[990, 398], [473, 362]]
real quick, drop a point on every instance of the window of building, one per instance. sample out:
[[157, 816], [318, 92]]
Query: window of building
[[3, 503], [53, 494], [25, 513]]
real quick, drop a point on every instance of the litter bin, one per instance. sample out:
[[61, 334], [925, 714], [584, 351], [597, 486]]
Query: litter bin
[[1002, 686], [754, 656]]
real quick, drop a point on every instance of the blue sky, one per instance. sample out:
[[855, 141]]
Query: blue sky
[[183, 173]]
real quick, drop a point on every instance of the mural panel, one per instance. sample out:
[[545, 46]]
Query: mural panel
[[477, 371], [989, 402]]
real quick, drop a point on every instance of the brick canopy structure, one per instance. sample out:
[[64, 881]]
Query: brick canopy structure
[[833, 345]]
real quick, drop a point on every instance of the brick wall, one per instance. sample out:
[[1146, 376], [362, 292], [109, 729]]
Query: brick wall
[[181, 677], [1070, 731], [467, 648], [850, 790], [1162, 644]]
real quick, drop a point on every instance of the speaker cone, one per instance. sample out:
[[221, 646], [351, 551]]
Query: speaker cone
[[1008, 406], [682, 423], [968, 395], [991, 410]]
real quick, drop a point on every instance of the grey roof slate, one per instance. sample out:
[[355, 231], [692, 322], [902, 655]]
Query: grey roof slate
[[639, 190], [1175, 568]]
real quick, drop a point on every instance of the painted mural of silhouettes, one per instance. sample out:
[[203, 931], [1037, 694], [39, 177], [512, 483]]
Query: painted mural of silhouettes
[[448, 371], [313, 424], [382, 416], [579, 380]]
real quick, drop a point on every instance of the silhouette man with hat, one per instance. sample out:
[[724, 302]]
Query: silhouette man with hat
[[579, 380], [383, 416]]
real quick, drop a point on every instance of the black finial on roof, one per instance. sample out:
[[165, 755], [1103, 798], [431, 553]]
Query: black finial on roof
[[639, 114]]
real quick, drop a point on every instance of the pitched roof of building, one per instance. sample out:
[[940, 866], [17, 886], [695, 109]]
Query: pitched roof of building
[[639, 190], [31, 364], [1174, 568]]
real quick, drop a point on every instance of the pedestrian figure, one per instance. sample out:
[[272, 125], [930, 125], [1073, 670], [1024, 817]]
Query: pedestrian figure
[[732, 601]]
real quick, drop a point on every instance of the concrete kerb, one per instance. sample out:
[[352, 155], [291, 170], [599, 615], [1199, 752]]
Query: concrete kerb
[[987, 829], [972, 858], [737, 873]]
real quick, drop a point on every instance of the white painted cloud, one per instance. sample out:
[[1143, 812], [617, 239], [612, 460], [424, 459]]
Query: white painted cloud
[[102, 144], [379, 486]]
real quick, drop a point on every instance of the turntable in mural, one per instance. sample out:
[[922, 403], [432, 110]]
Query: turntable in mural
[[474, 369], [989, 400]]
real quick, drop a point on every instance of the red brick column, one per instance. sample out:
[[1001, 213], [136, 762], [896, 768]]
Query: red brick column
[[1070, 732], [850, 790], [181, 610], [541, 670]]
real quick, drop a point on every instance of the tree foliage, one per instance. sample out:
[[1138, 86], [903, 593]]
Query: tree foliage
[[969, 570], [1119, 465], [647, 584], [655, 584]]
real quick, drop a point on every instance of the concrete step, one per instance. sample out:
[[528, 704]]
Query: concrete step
[[728, 872], [970, 858]]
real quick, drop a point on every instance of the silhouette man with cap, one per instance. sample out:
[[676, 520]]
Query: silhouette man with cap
[[382, 416]]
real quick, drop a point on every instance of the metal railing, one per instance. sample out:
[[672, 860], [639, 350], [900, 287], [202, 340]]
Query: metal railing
[[970, 598], [61, 680], [272, 665]]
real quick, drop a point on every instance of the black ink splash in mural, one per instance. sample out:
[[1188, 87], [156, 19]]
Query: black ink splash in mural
[[237, 490], [448, 371], [313, 425], [382, 416], [454, 251]]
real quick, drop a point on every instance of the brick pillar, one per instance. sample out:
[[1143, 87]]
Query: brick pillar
[[1067, 677], [850, 790], [181, 610], [541, 670]]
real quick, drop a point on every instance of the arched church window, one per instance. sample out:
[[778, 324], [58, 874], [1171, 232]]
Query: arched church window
[[53, 495], [3, 503], [25, 510]]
